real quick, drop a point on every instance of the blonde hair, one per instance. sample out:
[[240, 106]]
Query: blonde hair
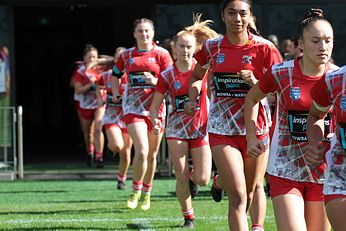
[[200, 30]]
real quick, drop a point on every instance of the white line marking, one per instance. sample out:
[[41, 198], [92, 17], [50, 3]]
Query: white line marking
[[137, 220]]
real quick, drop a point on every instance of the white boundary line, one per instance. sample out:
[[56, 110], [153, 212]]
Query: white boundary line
[[138, 221]]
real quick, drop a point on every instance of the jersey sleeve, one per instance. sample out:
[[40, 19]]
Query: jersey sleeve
[[319, 93], [78, 77], [166, 60], [267, 83], [200, 56], [118, 68], [162, 85], [273, 56], [101, 81]]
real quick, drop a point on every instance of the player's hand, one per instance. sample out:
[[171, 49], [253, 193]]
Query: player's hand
[[255, 147], [189, 107], [101, 103], [248, 77], [314, 155], [156, 122], [116, 98], [150, 79]]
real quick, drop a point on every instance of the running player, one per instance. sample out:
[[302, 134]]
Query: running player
[[142, 65], [296, 191], [234, 62], [118, 139], [91, 114], [330, 92], [185, 133]]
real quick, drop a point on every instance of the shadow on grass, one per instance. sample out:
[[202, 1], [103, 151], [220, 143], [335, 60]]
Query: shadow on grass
[[33, 191], [147, 227], [55, 228], [79, 211], [79, 201], [203, 193]]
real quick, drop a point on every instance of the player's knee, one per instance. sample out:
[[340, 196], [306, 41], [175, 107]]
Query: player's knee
[[237, 198], [202, 180]]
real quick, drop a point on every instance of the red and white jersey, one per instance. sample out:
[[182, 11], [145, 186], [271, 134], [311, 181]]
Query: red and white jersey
[[293, 102], [76, 96], [88, 100], [228, 90], [114, 111], [138, 94], [179, 124], [326, 92]]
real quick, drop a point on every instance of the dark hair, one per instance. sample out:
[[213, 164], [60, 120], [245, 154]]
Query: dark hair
[[88, 48], [225, 3], [142, 20], [310, 16]]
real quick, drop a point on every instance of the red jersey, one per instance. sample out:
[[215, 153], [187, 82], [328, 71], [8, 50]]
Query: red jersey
[[180, 124], [228, 90], [88, 100], [138, 95], [330, 91], [289, 139]]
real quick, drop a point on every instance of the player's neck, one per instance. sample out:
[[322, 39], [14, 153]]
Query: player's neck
[[311, 69], [183, 65], [145, 46], [238, 39]]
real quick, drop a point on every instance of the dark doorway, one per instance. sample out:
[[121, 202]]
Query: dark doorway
[[48, 41]]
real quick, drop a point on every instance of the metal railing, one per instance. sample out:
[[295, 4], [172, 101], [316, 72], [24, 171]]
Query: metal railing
[[11, 142]]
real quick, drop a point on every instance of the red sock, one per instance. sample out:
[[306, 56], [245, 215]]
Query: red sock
[[147, 188], [257, 227], [91, 148], [137, 185], [98, 155], [188, 214], [190, 175], [214, 182], [121, 178]]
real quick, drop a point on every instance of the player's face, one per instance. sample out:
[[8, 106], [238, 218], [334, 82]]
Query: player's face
[[236, 16], [317, 42], [90, 57], [144, 33], [185, 47]]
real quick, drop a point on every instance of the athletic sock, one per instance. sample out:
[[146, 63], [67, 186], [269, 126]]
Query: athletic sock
[[147, 188], [121, 178], [188, 214], [214, 182], [137, 186], [190, 175], [98, 155], [91, 149], [257, 227]]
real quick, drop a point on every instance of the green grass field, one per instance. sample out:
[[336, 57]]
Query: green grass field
[[98, 205]]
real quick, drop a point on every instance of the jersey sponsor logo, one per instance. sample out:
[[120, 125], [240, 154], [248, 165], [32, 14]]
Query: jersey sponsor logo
[[177, 85], [297, 125], [139, 80], [220, 58], [295, 93], [247, 59], [131, 60], [230, 85], [109, 85], [180, 101], [343, 103]]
